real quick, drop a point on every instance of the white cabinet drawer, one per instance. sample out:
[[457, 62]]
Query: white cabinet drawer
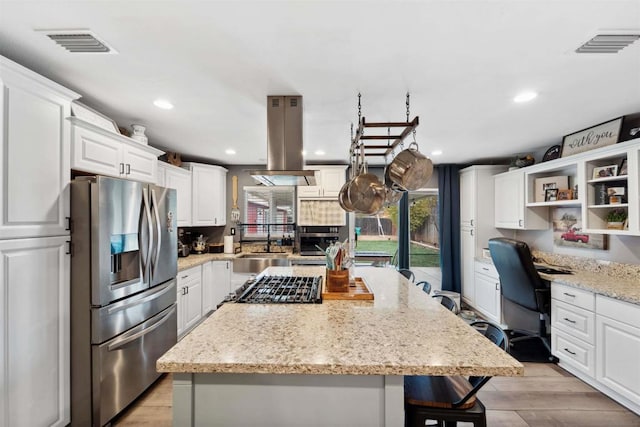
[[621, 311], [573, 351], [573, 320], [488, 269], [190, 274], [575, 296]]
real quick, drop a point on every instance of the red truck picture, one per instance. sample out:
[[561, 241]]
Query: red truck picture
[[575, 236]]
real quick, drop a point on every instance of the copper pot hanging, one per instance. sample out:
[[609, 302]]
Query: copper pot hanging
[[410, 169]]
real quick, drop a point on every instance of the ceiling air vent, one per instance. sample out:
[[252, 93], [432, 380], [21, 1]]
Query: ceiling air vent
[[79, 41], [608, 43]]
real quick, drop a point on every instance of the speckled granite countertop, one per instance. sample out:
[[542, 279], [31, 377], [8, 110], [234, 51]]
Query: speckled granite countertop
[[618, 283], [402, 332]]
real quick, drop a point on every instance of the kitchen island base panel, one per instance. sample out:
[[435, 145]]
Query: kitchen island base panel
[[287, 400]]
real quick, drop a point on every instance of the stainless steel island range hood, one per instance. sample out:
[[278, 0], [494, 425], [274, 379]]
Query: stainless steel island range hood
[[284, 144]]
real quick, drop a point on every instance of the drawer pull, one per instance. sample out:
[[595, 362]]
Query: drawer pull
[[569, 351], [184, 277], [485, 269], [570, 321], [570, 295]]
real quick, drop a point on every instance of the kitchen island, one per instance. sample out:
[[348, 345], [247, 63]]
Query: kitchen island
[[329, 364]]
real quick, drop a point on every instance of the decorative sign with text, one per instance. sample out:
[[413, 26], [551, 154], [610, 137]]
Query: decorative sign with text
[[594, 137]]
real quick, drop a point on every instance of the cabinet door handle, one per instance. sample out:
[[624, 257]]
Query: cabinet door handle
[[121, 168], [497, 286], [569, 351], [128, 169], [68, 227], [519, 223], [471, 232], [69, 246], [569, 295], [570, 321], [471, 223]]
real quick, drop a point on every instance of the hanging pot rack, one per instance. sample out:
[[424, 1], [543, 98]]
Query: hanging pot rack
[[381, 145]]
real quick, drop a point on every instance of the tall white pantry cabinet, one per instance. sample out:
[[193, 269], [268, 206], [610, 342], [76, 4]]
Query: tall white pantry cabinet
[[34, 239]]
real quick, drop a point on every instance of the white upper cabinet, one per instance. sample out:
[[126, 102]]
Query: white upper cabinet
[[174, 177], [329, 181], [209, 194], [99, 151], [468, 198], [510, 211], [34, 171], [520, 201]]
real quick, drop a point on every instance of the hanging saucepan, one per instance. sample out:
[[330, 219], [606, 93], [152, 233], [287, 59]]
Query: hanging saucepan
[[343, 195], [411, 169], [393, 191], [366, 192]]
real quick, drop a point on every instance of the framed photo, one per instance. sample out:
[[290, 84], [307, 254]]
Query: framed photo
[[623, 167], [601, 135], [549, 182], [605, 171], [565, 194], [89, 115], [551, 194]]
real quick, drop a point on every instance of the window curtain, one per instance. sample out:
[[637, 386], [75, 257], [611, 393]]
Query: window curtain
[[449, 211]]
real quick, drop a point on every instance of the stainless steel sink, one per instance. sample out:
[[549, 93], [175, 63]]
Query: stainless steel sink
[[256, 263], [264, 255]]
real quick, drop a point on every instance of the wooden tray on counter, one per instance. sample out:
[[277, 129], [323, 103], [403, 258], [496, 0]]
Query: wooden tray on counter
[[358, 290]]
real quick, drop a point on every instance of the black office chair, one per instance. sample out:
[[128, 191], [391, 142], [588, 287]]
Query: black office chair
[[449, 399], [426, 286], [448, 302], [521, 284], [407, 273]]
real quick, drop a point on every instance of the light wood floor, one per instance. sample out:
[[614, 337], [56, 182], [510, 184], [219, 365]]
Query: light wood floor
[[545, 396]]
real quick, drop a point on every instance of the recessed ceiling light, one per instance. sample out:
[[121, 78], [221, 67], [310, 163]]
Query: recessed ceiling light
[[163, 103], [525, 96], [230, 151], [319, 153], [436, 152]]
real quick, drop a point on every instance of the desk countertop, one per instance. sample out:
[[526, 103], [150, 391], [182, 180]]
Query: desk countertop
[[621, 287]]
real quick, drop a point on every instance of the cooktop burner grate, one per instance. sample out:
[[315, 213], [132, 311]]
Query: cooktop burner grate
[[283, 289]]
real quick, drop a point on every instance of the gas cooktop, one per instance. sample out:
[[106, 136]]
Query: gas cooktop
[[282, 289]]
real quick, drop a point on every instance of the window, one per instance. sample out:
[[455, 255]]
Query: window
[[268, 205]]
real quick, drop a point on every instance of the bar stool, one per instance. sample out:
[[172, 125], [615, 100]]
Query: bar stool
[[449, 399]]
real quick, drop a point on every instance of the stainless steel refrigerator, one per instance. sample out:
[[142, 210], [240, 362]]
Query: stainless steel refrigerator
[[123, 292]]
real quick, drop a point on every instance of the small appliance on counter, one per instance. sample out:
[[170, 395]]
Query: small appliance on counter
[[183, 250], [199, 245], [216, 248]]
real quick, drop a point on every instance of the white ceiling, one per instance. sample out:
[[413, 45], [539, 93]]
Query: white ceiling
[[462, 62]]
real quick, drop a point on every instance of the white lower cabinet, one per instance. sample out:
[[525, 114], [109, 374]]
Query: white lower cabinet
[[573, 328], [618, 347], [189, 298], [598, 339], [487, 291], [34, 332], [216, 279]]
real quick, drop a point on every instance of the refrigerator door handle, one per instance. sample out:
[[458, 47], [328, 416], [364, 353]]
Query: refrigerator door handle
[[127, 339], [149, 245], [156, 212], [157, 293]]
